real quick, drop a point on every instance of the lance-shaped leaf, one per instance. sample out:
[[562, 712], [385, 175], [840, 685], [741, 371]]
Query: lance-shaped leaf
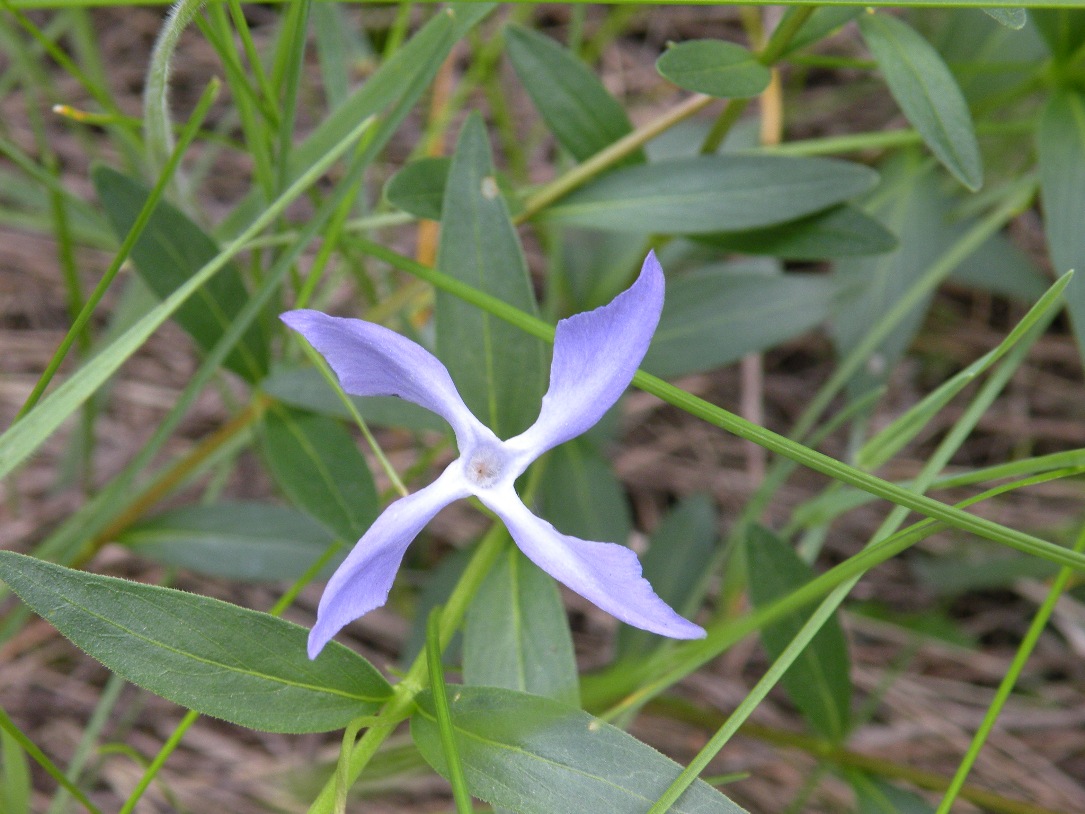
[[316, 463], [534, 755], [497, 367], [243, 541], [169, 251], [579, 111], [927, 93], [714, 316], [1060, 142], [715, 68], [516, 635], [240, 665], [581, 494], [1063, 29], [842, 231], [419, 188], [818, 681], [307, 389], [711, 194]]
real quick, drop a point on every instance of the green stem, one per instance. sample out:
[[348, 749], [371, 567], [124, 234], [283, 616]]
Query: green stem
[[187, 135], [451, 750], [414, 681], [822, 750], [639, 685], [43, 760], [610, 155], [827, 609], [156, 111], [1005, 687], [747, 430]]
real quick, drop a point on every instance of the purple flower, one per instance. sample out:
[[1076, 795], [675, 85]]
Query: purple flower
[[596, 354]]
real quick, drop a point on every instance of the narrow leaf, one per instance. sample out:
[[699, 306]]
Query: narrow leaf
[[308, 390], [240, 665], [818, 682], [392, 90], [517, 636], [318, 466], [20, 440], [1060, 143], [580, 494], [497, 368], [1001, 267], [875, 796], [711, 194], [843, 231], [821, 23], [15, 786], [714, 67], [713, 317], [534, 755], [169, 251], [927, 93], [912, 202], [419, 188], [242, 541], [677, 564], [1062, 28], [577, 109]]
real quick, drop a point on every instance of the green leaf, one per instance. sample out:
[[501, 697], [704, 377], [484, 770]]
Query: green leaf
[[595, 267], [1060, 143], [1001, 267], [240, 665], [821, 23], [882, 446], [580, 494], [911, 201], [713, 316], [392, 91], [171, 249], [307, 389], [15, 786], [711, 194], [318, 466], [818, 682], [927, 93], [1014, 18], [534, 755], [242, 541], [517, 636], [1063, 29], [497, 367], [20, 440], [875, 796], [419, 188], [577, 109], [714, 67], [843, 231], [676, 564], [966, 570]]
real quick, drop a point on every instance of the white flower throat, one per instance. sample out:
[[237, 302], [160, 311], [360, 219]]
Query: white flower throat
[[485, 466]]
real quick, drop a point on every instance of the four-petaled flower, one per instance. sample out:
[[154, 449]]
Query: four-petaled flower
[[596, 354]]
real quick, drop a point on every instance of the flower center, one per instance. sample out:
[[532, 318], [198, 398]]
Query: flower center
[[484, 467]]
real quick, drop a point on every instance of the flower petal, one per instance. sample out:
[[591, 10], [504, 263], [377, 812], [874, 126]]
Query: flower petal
[[596, 354], [604, 573], [363, 580], [371, 360]]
